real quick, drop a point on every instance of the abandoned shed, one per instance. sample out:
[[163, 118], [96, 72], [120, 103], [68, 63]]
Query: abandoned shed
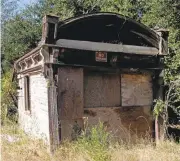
[[97, 67]]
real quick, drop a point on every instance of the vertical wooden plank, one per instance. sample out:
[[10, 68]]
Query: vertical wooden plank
[[158, 93], [70, 89], [25, 93], [53, 114], [70, 100]]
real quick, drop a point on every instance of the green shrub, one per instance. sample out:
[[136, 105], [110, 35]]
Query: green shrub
[[95, 142], [8, 98]]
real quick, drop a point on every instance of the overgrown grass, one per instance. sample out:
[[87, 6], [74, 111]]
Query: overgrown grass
[[95, 145]]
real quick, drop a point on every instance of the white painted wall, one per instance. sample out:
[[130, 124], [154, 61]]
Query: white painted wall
[[35, 122]]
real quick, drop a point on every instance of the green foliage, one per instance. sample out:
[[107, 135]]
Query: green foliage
[[133, 9], [8, 93], [172, 100], [95, 142], [20, 34], [159, 107], [7, 87], [166, 14]]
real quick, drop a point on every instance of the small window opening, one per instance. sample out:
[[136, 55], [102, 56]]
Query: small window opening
[[27, 93]]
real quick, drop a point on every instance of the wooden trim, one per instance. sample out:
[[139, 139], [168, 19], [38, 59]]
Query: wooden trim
[[106, 47], [120, 79], [52, 111], [28, 54], [98, 67], [27, 93], [33, 69]]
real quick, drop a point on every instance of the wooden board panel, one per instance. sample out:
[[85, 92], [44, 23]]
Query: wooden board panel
[[136, 90], [101, 90], [70, 92]]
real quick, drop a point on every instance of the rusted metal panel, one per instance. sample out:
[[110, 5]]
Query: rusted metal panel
[[70, 93], [136, 90], [122, 122], [101, 90]]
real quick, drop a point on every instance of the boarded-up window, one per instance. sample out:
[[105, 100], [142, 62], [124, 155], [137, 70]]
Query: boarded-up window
[[27, 93], [136, 90], [101, 90], [70, 93]]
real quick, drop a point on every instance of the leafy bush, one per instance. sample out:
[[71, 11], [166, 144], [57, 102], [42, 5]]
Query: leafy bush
[[95, 142], [8, 98]]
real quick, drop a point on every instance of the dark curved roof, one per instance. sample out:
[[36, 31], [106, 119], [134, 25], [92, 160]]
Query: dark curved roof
[[107, 27]]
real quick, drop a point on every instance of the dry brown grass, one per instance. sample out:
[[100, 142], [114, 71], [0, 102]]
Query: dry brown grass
[[21, 147], [26, 149], [164, 151]]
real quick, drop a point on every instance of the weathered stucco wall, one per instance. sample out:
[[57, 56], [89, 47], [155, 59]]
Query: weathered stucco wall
[[124, 123], [36, 121]]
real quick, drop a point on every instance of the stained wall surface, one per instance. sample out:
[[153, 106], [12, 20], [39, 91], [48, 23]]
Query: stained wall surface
[[36, 121], [70, 100], [133, 116], [136, 90], [122, 102], [124, 123], [101, 90]]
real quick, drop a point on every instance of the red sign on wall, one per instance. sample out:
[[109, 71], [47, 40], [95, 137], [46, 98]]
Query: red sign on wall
[[101, 56]]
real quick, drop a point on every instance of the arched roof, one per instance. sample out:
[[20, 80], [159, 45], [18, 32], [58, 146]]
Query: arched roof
[[109, 28]]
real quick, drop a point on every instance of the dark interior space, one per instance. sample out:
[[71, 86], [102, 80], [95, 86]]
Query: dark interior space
[[109, 28], [82, 57], [174, 120]]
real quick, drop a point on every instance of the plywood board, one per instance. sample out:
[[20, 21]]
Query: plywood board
[[101, 90], [70, 93], [136, 90]]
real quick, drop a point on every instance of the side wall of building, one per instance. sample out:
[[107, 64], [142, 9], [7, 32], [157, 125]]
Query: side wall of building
[[36, 120]]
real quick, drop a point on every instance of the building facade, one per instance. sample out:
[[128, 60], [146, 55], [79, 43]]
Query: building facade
[[100, 67]]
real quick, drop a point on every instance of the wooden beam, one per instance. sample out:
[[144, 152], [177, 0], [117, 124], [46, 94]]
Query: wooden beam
[[106, 47], [52, 111]]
